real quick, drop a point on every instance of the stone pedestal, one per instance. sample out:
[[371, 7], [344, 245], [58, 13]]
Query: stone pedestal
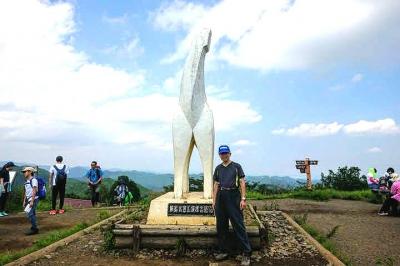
[[192, 209]]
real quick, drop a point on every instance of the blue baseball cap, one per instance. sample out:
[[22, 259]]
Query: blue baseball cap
[[224, 149]]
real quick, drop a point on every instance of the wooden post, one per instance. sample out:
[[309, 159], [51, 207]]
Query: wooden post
[[305, 167], [308, 173]]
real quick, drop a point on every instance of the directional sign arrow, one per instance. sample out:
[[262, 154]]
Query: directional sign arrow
[[301, 162], [300, 167], [302, 171], [313, 162]]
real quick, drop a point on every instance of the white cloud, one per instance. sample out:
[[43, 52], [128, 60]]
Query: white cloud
[[130, 49], [118, 20], [357, 77], [288, 34], [177, 15], [54, 94], [243, 142], [375, 150], [310, 130], [385, 126]]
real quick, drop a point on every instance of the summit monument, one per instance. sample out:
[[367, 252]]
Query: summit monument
[[192, 126]]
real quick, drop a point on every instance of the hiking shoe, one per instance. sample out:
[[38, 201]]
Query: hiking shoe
[[2, 214], [53, 212], [61, 211], [32, 232], [221, 256], [245, 261], [5, 214], [383, 213]]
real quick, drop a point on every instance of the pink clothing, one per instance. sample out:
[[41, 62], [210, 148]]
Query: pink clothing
[[372, 177], [395, 190]]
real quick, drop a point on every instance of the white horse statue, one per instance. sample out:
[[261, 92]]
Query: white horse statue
[[193, 124]]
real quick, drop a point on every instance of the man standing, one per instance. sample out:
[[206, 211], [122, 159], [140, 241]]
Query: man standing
[[229, 202], [30, 198], [57, 181], [94, 176], [5, 186]]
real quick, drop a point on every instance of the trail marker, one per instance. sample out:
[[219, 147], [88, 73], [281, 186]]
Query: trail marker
[[304, 167]]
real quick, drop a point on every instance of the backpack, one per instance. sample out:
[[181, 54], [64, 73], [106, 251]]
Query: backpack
[[128, 199], [61, 175], [41, 187]]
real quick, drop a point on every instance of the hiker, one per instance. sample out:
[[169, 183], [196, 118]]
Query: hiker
[[229, 201], [31, 198], [57, 182], [5, 186], [391, 203], [372, 179], [94, 176], [391, 176], [121, 192]]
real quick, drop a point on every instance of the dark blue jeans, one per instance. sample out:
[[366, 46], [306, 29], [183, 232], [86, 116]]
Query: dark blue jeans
[[32, 214], [227, 208]]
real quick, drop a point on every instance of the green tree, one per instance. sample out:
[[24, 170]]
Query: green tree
[[195, 184], [345, 178]]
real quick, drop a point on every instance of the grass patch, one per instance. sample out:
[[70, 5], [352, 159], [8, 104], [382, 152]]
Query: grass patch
[[42, 242], [385, 261], [324, 240], [103, 214], [109, 238], [319, 195]]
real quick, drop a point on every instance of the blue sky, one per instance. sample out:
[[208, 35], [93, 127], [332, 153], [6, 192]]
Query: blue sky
[[285, 79]]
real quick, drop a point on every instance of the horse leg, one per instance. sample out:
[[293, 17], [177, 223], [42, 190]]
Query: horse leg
[[204, 138], [183, 143]]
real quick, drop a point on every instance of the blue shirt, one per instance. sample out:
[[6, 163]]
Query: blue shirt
[[94, 174]]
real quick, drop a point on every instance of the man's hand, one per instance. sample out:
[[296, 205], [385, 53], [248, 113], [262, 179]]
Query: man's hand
[[242, 204], [31, 203], [213, 204]]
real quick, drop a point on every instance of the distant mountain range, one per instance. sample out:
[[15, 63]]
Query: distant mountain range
[[277, 181], [156, 182]]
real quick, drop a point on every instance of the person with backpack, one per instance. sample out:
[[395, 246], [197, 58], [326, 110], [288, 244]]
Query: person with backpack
[[31, 198], [94, 176], [229, 201], [121, 191], [57, 182], [5, 186]]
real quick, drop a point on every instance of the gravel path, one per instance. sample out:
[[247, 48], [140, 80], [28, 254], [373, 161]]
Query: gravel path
[[286, 247]]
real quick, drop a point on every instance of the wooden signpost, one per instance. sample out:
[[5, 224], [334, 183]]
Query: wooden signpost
[[304, 167]]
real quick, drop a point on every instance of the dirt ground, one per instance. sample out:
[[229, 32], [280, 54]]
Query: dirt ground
[[363, 236], [13, 227], [77, 203]]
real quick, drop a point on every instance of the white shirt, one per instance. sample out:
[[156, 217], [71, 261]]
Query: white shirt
[[53, 171], [29, 188]]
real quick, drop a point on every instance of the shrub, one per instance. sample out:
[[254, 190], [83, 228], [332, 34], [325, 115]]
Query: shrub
[[345, 178], [109, 238]]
